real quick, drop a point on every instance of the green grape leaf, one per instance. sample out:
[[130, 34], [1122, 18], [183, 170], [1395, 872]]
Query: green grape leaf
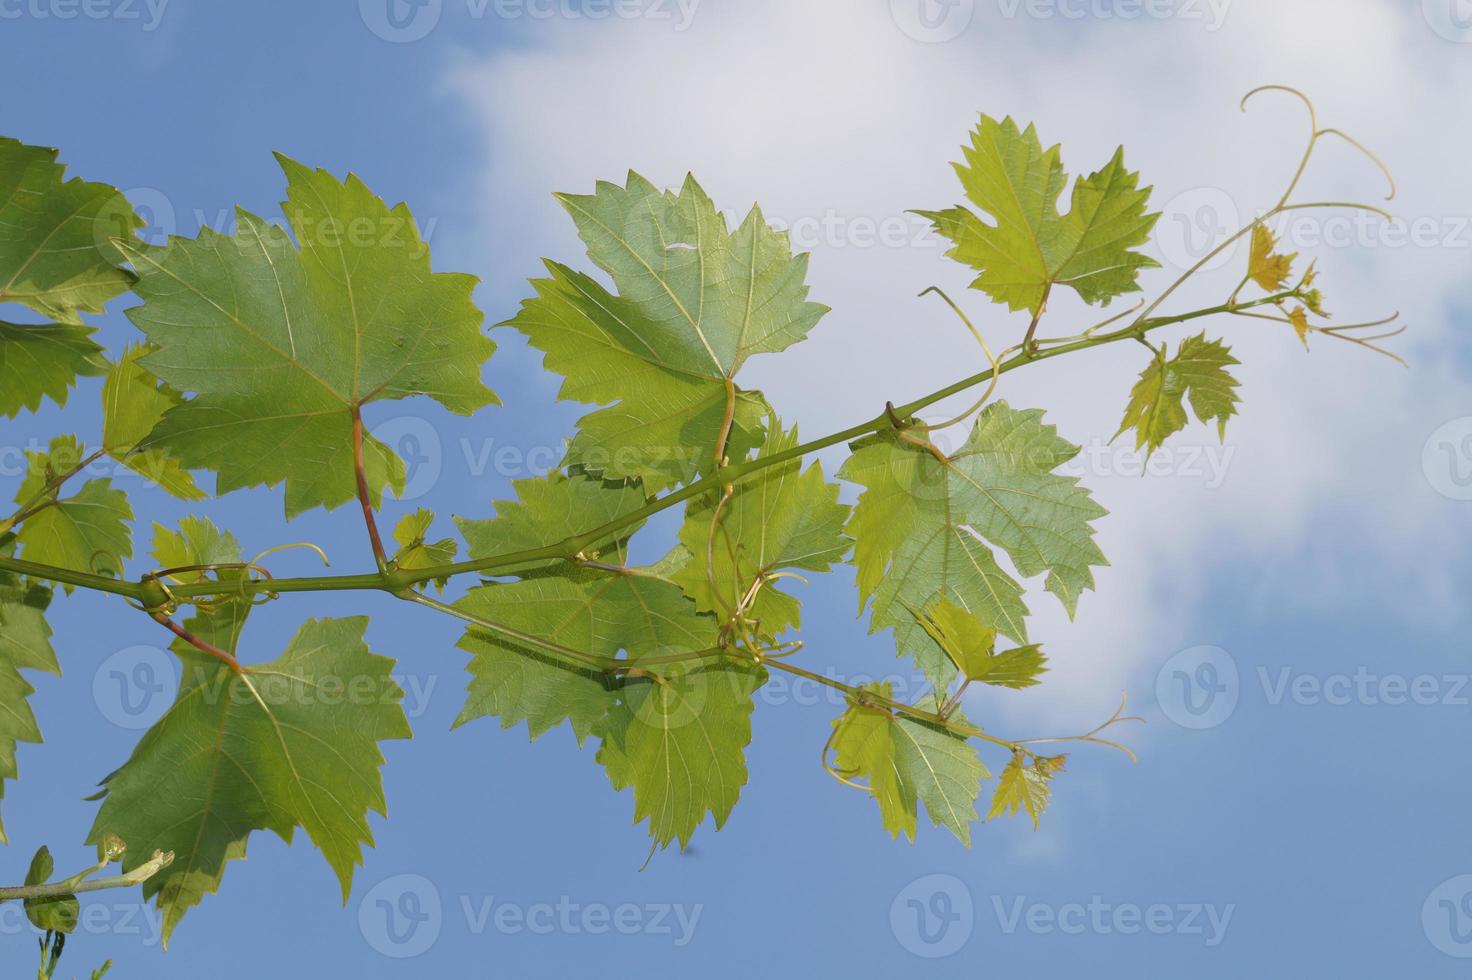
[[694, 301], [905, 761], [1026, 786], [87, 531], [281, 343], [44, 360], [970, 644], [591, 613], [920, 524], [680, 743], [1031, 247], [58, 254], [291, 743], [133, 403], [1156, 409], [25, 644], [49, 914], [781, 518], [416, 551], [554, 507]]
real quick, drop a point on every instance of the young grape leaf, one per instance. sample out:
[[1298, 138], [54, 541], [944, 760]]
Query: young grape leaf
[[291, 743], [920, 524], [281, 343], [44, 360], [1298, 317], [554, 507], [905, 760], [49, 914], [415, 551], [1265, 265], [970, 644], [1031, 246], [58, 254], [1156, 409], [680, 743], [198, 542], [781, 518], [87, 531], [1025, 786], [25, 644], [694, 301], [133, 403]]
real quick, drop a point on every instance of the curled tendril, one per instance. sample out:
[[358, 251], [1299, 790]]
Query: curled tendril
[[309, 546], [991, 358], [1092, 736], [1315, 134], [1343, 332], [834, 771]]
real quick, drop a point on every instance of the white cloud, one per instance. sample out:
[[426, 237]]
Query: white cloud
[[826, 112]]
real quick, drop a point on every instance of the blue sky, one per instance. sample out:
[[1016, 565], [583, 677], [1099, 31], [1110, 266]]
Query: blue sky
[[1314, 563]]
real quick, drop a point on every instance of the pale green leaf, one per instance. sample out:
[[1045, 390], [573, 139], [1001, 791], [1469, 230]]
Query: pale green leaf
[[1030, 246], [44, 360], [551, 508], [970, 644], [280, 342], [1025, 785], [1198, 372], [87, 531], [920, 523], [25, 644], [133, 403], [287, 744], [57, 254], [694, 300], [416, 551], [904, 761], [680, 743], [519, 673], [782, 518]]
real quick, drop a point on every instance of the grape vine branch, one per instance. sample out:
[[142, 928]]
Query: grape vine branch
[[262, 349]]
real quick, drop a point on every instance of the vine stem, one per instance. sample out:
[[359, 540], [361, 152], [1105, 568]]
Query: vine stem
[[616, 667], [62, 889], [365, 498], [38, 500], [224, 656], [569, 548]]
